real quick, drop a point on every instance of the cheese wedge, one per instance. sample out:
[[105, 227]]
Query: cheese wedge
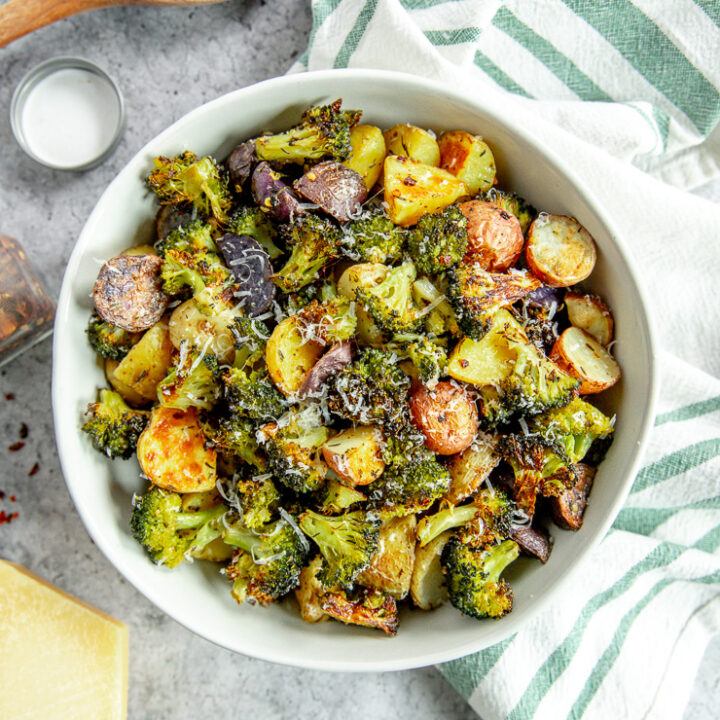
[[59, 658]]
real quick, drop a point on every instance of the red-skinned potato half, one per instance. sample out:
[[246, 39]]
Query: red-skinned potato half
[[495, 238], [559, 250], [581, 355], [446, 415]]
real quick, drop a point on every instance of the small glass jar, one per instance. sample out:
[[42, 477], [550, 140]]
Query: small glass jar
[[26, 309]]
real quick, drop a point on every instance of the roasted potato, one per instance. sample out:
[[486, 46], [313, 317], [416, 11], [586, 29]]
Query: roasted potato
[[171, 217], [173, 454], [495, 238], [140, 250], [290, 356], [427, 586], [273, 195], [128, 292], [581, 355], [534, 542], [130, 396], [568, 508], [559, 250], [392, 567], [189, 324], [368, 153], [415, 189], [412, 142], [469, 158], [446, 415], [591, 314], [334, 188], [356, 454], [363, 275], [147, 363], [309, 593], [469, 469]]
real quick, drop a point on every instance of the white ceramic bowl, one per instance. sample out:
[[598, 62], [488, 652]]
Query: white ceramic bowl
[[196, 595]]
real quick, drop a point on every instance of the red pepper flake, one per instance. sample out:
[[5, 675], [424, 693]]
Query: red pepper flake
[[9, 396], [23, 431], [2, 495], [34, 469], [13, 498], [19, 445], [5, 518]]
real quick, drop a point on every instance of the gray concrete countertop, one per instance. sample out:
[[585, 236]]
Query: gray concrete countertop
[[167, 61]]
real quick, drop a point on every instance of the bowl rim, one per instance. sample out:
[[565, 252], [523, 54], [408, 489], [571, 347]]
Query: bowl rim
[[487, 108]]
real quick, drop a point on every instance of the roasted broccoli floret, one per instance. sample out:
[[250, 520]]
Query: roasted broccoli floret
[[193, 238], [255, 223], [109, 341], [330, 321], [363, 606], [268, 563], [373, 238], [472, 577], [439, 316], [113, 426], [438, 241], [370, 389], [259, 500], [390, 302], [194, 381], [529, 383], [522, 210], [194, 269], [336, 497], [167, 531], [315, 241], [428, 357], [412, 480], [429, 527], [292, 445], [324, 132], [189, 179], [476, 295], [496, 510], [236, 436], [347, 542]]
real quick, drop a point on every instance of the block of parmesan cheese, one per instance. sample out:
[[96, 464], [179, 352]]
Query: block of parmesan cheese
[[60, 659]]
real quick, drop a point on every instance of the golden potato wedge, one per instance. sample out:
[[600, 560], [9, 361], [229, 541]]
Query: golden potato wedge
[[427, 586], [368, 153], [147, 362], [289, 356], [591, 314], [491, 359], [363, 275], [131, 397], [469, 158], [414, 143], [415, 189], [140, 250], [469, 469], [446, 415], [309, 593], [172, 452], [581, 355], [559, 250], [188, 323], [392, 567], [495, 238], [355, 454]]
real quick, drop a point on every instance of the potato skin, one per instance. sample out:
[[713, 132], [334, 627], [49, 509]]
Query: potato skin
[[582, 356], [368, 153], [495, 238], [568, 508], [469, 158], [355, 454], [391, 568], [290, 357], [446, 415], [172, 452]]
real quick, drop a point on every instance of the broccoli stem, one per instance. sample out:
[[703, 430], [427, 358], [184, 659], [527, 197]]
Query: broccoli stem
[[192, 520], [500, 556]]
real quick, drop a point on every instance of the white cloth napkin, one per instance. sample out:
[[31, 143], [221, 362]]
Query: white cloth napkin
[[628, 93]]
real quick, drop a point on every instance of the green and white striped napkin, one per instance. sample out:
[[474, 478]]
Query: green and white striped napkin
[[628, 92]]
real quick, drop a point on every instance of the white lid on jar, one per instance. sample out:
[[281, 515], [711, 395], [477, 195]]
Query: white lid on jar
[[67, 114]]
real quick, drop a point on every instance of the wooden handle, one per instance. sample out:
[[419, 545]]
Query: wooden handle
[[20, 17]]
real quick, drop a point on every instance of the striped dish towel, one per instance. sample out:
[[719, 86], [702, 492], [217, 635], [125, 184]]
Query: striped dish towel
[[628, 92]]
